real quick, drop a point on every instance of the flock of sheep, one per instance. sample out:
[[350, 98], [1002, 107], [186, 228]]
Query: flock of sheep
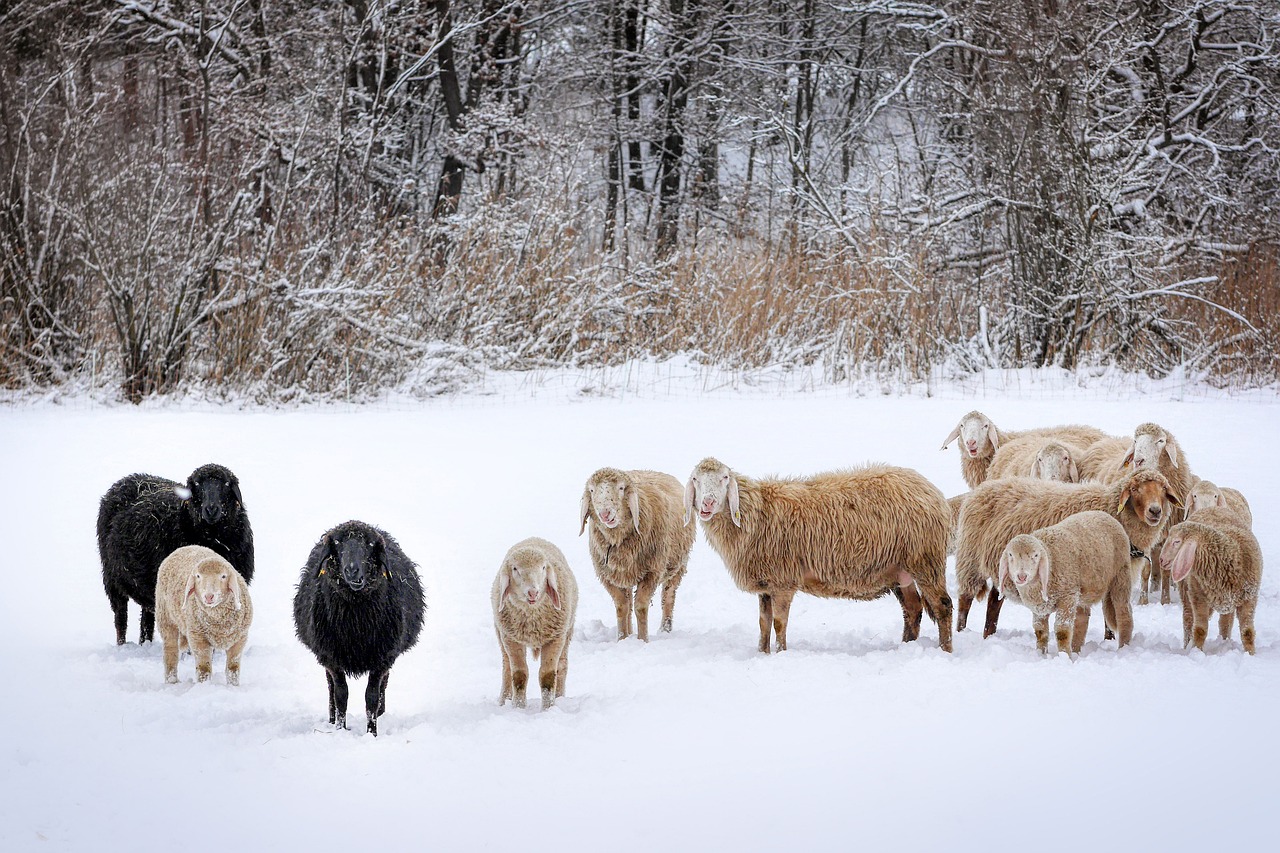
[[1058, 518]]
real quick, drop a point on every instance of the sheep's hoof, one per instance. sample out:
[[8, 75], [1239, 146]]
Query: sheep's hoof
[[233, 679], [548, 699], [171, 678], [666, 626], [340, 721], [203, 676], [519, 702], [1143, 599], [373, 727]]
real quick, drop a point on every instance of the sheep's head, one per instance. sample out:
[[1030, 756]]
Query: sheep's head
[[710, 487], [355, 557], [1178, 554], [527, 575], [977, 434], [1146, 493], [1055, 462], [1204, 495], [612, 497], [211, 495], [1024, 559], [212, 583], [1150, 442]]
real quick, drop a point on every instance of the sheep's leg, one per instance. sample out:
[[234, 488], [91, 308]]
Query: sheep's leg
[[643, 598], [766, 621], [994, 603], [781, 615], [1145, 588], [1245, 611], [1188, 615], [1064, 622], [621, 606], [1080, 630], [147, 625], [938, 603], [912, 610], [519, 671], [1226, 622], [1041, 626], [120, 611], [372, 697], [203, 651], [1165, 598], [233, 661], [1121, 611], [505, 693], [962, 611], [382, 692], [171, 637], [669, 588], [1201, 612], [562, 669], [548, 669], [337, 697]]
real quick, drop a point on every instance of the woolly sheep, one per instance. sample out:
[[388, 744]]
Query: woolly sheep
[[535, 599], [980, 440], [955, 504], [999, 510], [858, 534], [638, 540], [1217, 564], [143, 518], [1206, 495], [1067, 568], [202, 603], [358, 607], [1036, 457], [1155, 448]]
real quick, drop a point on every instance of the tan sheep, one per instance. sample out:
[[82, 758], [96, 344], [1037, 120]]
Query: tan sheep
[[980, 440], [999, 510], [1217, 564], [638, 540], [1037, 457], [202, 603], [854, 534], [1067, 568], [1154, 448], [955, 504], [535, 601], [1206, 495]]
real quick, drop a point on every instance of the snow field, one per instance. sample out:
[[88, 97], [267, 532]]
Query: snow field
[[848, 740]]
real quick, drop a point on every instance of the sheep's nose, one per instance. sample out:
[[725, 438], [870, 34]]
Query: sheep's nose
[[211, 514], [208, 598]]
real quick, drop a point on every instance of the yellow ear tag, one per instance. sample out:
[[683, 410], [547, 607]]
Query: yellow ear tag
[[737, 518], [1120, 508], [322, 571]]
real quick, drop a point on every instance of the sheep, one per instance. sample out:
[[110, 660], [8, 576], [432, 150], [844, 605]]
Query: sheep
[[1037, 457], [1080, 561], [999, 510], [1205, 495], [1152, 447], [202, 603], [980, 440], [638, 540], [955, 503], [143, 518], [1217, 563], [858, 533], [358, 607], [535, 599]]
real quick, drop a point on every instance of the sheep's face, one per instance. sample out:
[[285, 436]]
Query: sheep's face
[[711, 487], [612, 498], [1150, 443], [529, 579], [357, 558], [1178, 554], [211, 584], [1205, 495], [212, 495], [1147, 493], [1054, 462], [977, 436], [1024, 560]]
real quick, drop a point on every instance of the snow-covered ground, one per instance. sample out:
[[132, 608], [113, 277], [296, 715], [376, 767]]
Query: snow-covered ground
[[850, 740]]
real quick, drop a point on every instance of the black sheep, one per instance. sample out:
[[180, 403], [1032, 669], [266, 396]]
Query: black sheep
[[143, 518], [358, 607]]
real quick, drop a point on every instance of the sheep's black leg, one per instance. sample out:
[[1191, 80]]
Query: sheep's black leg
[[147, 630], [373, 696], [382, 693], [120, 610], [337, 697], [994, 603]]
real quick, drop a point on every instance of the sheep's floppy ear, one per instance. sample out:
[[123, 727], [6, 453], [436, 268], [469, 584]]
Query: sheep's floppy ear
[[1221, 502], [951, 436], [633, 501], [1004, 573], [1183, 561], [1128, 457], [553, 590], [505, 574], [1043, 569], [735, 510], [993, 436], [235, 490], [1037, 470], [1172, 451], [1073, 472], [191, 587], [690, 496], [1173, 499], [584, 509], [235, 592], [1124, 499]]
